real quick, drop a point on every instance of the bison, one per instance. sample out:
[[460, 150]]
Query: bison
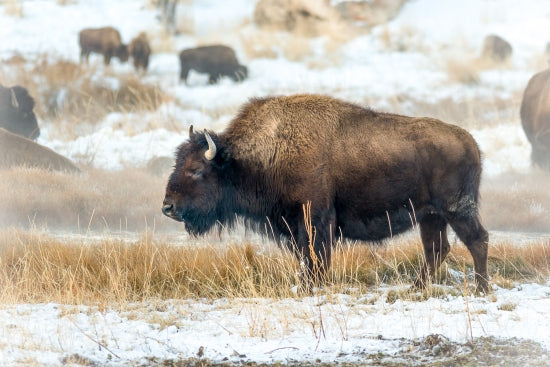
[[16, 112], [535, 117], [105, 41], [16, 150], [216, 61], [496, 49], [140, 50], [312, 168]]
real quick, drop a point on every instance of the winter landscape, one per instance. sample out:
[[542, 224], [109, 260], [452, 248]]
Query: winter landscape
[[412, 57]]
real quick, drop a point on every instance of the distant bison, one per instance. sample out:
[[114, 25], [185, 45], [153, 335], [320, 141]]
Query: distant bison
[[312, 168], [535, 117], [19, 151], [496, 49], [105, 41], [140, 51], [16, 112], [216, 61]]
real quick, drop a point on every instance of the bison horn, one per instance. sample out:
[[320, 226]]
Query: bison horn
[[14, 102], [191, 132], [211, 152]]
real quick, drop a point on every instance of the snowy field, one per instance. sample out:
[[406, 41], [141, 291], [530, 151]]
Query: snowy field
[[367, 69]]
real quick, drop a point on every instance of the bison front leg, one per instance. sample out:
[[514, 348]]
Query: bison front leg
[[433, 231], [314, 241]]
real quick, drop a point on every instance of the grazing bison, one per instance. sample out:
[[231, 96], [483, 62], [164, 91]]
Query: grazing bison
[[19, 151], [140, 51], [535, 117], [16, 112], [361, 174], [105, 41], [216, 61], [496, 49]]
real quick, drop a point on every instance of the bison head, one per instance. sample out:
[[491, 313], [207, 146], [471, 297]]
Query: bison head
[[242, 72], [16, 112], [196, 189], [122, 53]]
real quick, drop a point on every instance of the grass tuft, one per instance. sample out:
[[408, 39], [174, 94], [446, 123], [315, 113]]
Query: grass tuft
[[36, 267]]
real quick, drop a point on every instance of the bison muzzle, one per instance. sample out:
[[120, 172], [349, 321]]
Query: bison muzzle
[[363, 175]]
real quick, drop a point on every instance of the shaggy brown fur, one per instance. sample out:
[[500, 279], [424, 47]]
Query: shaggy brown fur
[[535, 117], [216, 61], [16, 112], [19, 151], [105, 41], [366, 175], [140, 51]]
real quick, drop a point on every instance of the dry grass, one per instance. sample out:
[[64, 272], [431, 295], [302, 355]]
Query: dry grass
[[405, 39], [466, 70], [258, 43], [127, 199], [38, 268], [71, 94], [517, 202], [469, 113], [13, 8]]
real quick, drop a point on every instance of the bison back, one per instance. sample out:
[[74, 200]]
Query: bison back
[[368, 164], [96, 39], [19, 151]]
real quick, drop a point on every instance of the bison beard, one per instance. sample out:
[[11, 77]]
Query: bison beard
[[313, 168]]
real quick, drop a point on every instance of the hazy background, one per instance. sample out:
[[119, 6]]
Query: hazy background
[[416, 57]]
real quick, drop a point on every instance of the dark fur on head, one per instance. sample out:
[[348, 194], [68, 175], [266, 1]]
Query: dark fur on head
[[16, 112]]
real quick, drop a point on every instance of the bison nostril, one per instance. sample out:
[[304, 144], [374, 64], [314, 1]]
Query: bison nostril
[[167, 209]]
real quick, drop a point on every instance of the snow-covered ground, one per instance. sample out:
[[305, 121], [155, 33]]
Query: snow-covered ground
[[367, 71], [342, 328]]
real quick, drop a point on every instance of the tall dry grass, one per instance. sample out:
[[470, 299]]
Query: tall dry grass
[[36, 267]]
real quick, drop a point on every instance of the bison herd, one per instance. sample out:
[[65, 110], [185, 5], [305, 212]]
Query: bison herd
[[215, 60]]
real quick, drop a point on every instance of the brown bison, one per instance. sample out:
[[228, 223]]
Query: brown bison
[[535, 117], [496, 49], [16, 150], [360, 174], [216, 61], [16, 112], [140, 51], [105, 41]]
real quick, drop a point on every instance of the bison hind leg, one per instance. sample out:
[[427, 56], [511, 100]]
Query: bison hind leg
[[433, 232], [471, 232]]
